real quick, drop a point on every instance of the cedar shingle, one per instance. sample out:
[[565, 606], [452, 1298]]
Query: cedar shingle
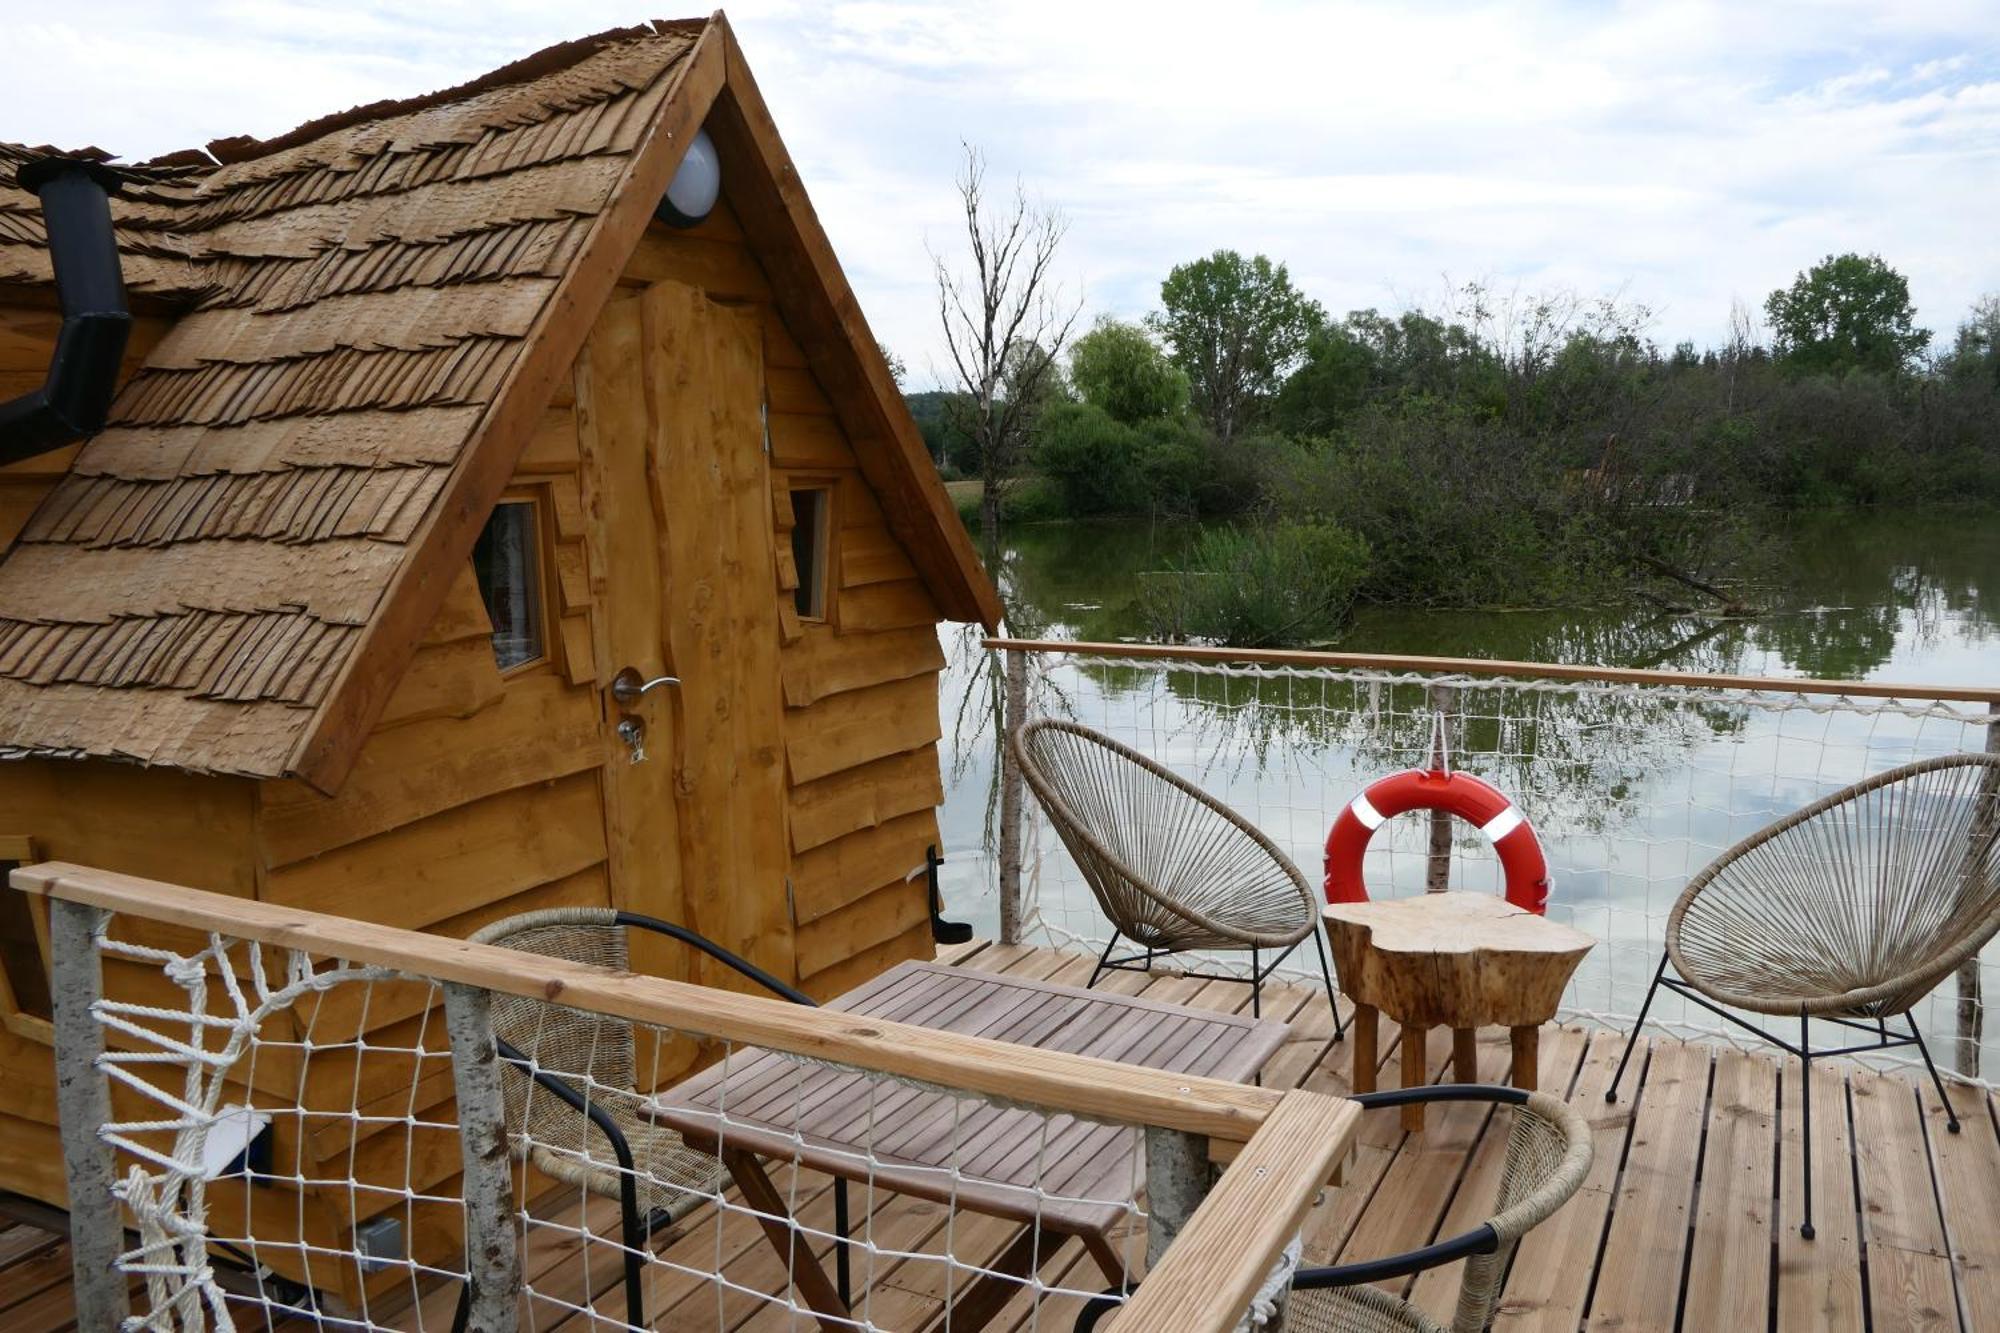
[[357, 294]]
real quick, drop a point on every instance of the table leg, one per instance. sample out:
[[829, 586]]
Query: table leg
[[1005, 1277], [1367, 1056], [1413, 1073], [1464, 1056], [794, 1247], [1527, 1057]]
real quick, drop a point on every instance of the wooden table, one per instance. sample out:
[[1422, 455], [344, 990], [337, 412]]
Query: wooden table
[[957, 1150], [1456, 960]]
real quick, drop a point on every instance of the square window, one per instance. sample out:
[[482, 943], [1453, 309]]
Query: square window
[[25, 1008], [21, 967], [811, 512], [507, 561]]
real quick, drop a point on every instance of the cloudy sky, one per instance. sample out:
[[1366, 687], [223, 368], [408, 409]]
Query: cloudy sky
[[1681, 153]]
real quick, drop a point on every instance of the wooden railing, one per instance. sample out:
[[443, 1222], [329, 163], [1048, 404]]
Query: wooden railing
[[1483, 666], [1229, 1237], [1446, 678]]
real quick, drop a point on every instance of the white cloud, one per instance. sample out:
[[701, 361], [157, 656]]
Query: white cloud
[[1685, 152]]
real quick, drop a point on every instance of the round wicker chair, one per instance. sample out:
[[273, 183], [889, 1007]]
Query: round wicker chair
[[1173, 868], [570, 1086], [1548, 1155], [1849, 910]]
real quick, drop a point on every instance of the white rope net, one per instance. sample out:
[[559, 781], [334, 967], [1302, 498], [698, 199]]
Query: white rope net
[[288, 1156], [1631, 788]]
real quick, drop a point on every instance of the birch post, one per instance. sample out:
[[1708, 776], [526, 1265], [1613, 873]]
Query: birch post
[[1013, 713], [1437, 872], [1177, 1180], [493, 1262], [83, 1105], [1971, 1006]]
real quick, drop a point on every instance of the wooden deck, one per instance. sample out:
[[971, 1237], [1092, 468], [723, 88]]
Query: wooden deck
[[1687, 1221]]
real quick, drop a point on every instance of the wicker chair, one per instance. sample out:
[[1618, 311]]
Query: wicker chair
[[1172, 867], [1849, 910], [573, 1107], [1548, 1155]]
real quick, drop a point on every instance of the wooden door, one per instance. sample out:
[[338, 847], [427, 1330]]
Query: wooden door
[[671, 397]]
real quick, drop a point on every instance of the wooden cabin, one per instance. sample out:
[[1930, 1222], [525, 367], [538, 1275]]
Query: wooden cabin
[[428, 431]]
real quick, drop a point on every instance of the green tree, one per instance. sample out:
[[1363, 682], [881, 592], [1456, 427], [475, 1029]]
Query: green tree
[[1338, 374], [1092, 458], [1974, 357], [1237, 327], [1119, 368], [1847, 312]]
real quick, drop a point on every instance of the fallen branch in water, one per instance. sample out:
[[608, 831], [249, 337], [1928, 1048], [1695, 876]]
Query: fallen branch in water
[[1730, 606]]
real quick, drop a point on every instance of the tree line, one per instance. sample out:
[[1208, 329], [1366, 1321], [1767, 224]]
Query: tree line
[[1498, 449]]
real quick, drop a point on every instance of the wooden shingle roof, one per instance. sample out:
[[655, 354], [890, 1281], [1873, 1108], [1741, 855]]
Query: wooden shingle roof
[[376, 306]]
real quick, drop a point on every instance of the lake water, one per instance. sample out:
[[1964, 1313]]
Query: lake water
[[1632, 791]]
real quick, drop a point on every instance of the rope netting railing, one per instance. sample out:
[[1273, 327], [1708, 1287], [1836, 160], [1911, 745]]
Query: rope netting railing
[[304, 1142], [1632, 786]]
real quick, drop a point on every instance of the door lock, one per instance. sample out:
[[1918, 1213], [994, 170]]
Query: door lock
[[633, 732]]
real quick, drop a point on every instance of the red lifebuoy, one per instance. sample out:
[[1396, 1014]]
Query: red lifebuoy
[[1461, 794]]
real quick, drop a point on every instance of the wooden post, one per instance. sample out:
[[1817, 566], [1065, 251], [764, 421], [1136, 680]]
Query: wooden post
[[1177, 1180], [83, 1107], [1012, 714], [492, 1262], [1437, 876], [1971, 1009]]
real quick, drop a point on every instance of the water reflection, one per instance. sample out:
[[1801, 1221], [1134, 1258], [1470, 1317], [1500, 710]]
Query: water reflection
[[1632, 790]]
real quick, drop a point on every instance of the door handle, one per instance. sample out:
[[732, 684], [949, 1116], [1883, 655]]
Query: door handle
[[629, 687]]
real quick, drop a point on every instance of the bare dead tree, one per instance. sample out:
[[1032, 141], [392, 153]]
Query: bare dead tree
[[1005, 322], [1742, 343]]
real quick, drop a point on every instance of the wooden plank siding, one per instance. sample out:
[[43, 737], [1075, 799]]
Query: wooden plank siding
[[861, 720], [478, 795]]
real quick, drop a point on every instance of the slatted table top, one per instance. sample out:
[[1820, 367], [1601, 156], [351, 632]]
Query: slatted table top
[[914, 1140]]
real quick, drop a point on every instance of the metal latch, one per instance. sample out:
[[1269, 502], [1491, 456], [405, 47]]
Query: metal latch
[[628, 687]]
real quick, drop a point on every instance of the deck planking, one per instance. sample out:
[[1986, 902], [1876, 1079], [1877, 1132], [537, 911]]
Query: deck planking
[[1687, 1221]]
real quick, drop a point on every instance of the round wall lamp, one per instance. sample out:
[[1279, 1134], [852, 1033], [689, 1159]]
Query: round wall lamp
[[692, 194]]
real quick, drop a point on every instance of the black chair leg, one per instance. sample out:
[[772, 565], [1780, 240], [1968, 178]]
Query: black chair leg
[[840, 1263], [1103, 959], [1632, 1037], [1805, 1118], [1950, 1115], [1326, 973], [1256, 987]]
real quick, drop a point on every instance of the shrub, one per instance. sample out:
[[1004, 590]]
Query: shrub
[[1092, 460], [1026, 500], [1291, 583]]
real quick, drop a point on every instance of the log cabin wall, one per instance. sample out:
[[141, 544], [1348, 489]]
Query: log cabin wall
[[117, 816], [480, 795], [860, 683], [474, 793]]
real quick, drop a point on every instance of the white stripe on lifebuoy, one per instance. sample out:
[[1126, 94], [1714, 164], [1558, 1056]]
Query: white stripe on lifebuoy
[[1365, 811], [1502, 824]]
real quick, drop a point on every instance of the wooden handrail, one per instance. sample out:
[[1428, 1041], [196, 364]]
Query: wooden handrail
[[1228, 1113], [1209, 1274], [1482, 666]]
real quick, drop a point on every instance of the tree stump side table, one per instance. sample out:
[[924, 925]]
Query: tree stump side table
[[1456, 960]]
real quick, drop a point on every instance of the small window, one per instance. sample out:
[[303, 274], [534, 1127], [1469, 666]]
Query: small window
[[22, 972], [810, 512], [508, 564]]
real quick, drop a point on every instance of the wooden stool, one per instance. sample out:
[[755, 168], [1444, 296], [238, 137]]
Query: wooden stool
[[1456, 960]]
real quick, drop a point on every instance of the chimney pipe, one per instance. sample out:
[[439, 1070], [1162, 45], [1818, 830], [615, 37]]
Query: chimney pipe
[[83, 373]]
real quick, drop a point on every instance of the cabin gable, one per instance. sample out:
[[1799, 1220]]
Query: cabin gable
[[414, 780]]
